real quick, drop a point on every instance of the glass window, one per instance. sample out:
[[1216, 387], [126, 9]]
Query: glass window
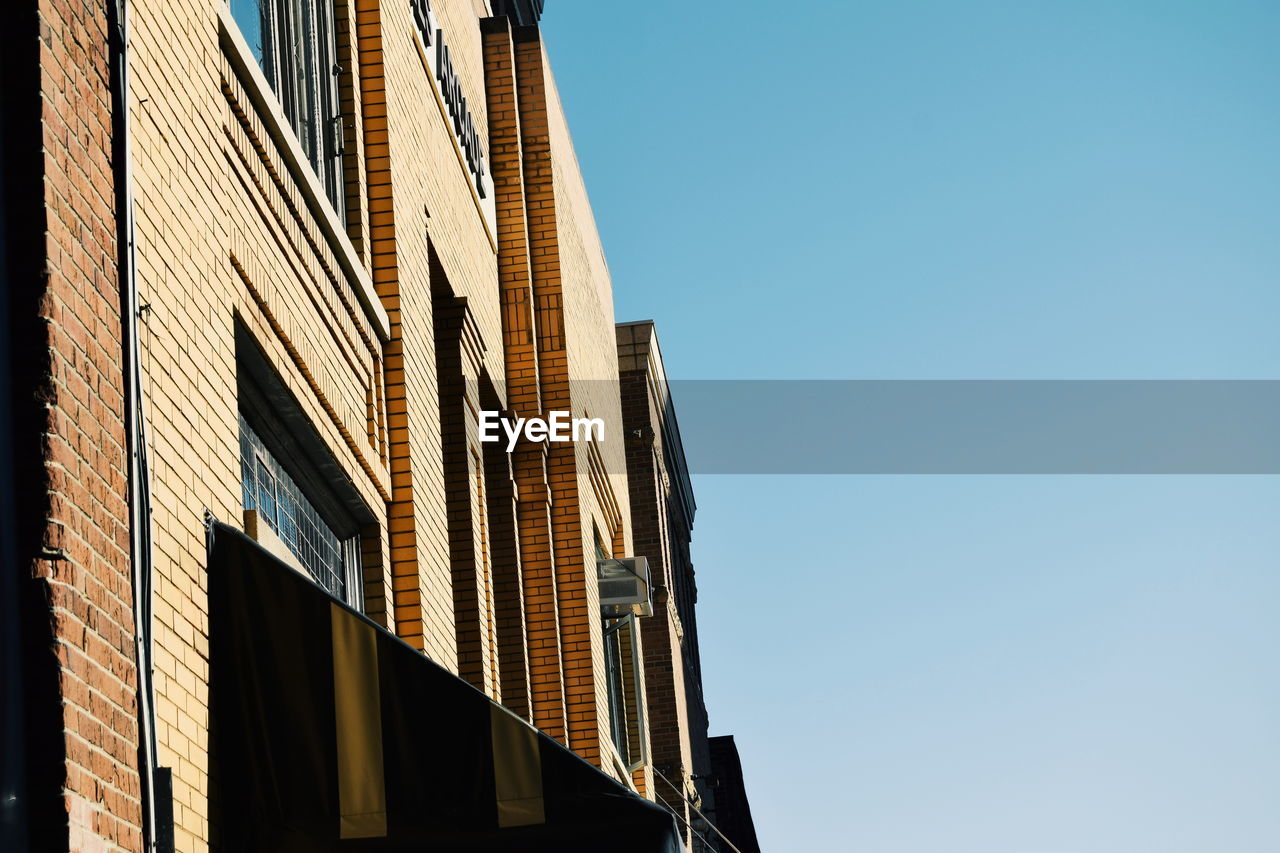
[[294, 43], [620, 678], [332, 559], [614, 662], [249, 16]]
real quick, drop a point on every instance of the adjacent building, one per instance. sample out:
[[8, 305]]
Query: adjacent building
[[276, 274], [731, 813], [662, 511]]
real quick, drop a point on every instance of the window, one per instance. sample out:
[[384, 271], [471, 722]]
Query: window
[[614, 665], [293, 41], [332, 558], [622, 681], [291, 478]]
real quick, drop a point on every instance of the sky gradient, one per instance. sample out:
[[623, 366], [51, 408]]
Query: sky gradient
[[934, 190]]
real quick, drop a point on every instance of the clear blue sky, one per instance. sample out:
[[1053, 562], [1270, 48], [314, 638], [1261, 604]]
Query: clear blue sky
[[979, 190]]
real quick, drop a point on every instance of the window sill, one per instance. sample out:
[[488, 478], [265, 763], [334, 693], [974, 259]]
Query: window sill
[[619, 766], [264, 100], [259, 531]]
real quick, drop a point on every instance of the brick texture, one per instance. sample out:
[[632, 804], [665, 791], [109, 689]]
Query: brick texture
[[81, 595], [662, 518], [481, 559]]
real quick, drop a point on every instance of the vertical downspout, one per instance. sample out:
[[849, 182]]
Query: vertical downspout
[[156, 815]]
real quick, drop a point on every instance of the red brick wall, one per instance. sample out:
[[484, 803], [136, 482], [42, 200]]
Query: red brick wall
[[663, 664], [677, 717], [82, 672]]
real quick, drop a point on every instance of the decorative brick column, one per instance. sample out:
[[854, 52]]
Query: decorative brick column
[[522, 342]]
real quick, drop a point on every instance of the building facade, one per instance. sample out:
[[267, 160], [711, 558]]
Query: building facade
[[662, 512], [296, 263]]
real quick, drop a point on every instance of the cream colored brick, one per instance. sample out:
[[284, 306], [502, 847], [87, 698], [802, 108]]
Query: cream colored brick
[[205, 199]]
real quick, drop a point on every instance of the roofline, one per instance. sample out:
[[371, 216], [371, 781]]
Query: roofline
[[671, 422]]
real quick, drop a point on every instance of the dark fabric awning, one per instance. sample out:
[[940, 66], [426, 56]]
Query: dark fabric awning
[[328, 733]]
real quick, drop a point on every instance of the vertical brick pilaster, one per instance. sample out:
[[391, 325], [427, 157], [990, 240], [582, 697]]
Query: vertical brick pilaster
[[572, 571], [409, 592], [524, 394], [661, 513]]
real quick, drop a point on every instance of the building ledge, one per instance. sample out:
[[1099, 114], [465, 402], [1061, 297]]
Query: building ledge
[[237, 51]]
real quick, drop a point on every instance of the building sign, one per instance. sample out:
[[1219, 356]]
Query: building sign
[[436, 54]]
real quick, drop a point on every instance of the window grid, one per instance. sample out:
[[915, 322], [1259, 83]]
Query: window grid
[[270, 490]]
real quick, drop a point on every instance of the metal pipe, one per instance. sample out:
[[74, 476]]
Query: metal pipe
[[135, 425]]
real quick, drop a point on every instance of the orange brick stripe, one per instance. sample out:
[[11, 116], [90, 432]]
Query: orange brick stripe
[[521, 362], [571, 574]]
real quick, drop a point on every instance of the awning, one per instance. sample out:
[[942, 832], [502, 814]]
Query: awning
[[328, 733]]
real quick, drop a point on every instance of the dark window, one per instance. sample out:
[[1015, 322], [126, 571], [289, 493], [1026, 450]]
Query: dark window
[[614, 664], [332, 557], [293, 41]]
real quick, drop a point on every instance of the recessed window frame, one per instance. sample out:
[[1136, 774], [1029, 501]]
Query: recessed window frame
[[329, 553], [290, 442]]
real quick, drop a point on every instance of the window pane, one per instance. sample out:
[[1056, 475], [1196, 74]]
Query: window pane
[[300, 39], [617, 692], [294, 42], [268, 488], [267, 496], [254, 19], [248, 472], [329, 109]]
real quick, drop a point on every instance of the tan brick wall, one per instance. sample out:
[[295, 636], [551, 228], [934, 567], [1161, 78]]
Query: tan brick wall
[[228, 234]]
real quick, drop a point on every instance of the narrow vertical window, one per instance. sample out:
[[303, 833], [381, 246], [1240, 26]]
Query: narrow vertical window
[[613, 668], [295, 44], [614, 663]]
